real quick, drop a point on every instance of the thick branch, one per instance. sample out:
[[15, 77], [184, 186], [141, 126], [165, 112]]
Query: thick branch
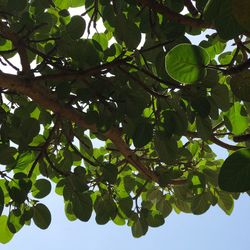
[[41, 96], [173, 16]]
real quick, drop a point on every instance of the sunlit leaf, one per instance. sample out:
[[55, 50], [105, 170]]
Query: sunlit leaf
[[187, 63], [5, 235]]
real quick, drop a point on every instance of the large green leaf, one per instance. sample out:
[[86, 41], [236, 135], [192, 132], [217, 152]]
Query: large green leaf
[[187, 63], [204, 127], [139, 228], [109, 173], [29, 128], [105, 209], [225, 202], [235, 120], [143, 133], [166, 147], [164, 207], [200, 204], [154, 219], [125, 205], [125, 26], [76, 27], [234, 175], [42, 188], [175, 122], [221, 14], [41, 216], [82, 206], [220, 95]]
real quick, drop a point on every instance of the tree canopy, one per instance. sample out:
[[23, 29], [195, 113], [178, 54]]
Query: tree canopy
[[157, 103]]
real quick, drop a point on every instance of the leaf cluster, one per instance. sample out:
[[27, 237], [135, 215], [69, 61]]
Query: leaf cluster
[[156, 103]]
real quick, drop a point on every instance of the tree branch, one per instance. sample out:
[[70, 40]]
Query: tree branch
[[43, 149], [193, 11], [42, 97], [215, 141], [154, 77], [81, 73], [173, 16], [238, 68]]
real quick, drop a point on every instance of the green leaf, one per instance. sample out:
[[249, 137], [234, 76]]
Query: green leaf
[[154, 219], [105, 209], [240, 85], [175, 122], [125, 205], [101, 38], [29, 128], [76, 3], [125, 26], [234, 174], [143, 133], [184, 206], [109, 173], [139, 228], [220, 95], [166, 147], [5, 234], [187, 63], [18, 195], [41, 216], [200, 204], [204, 127], [201, 105], [14, 221], [221, 14], [7, 154], [225, 202], [76, 27], [42, 188], [82, 206], [164, 207], [68, 208], [234, 120]]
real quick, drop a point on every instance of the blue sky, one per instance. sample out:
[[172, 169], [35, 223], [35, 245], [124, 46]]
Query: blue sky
[[212, 230]]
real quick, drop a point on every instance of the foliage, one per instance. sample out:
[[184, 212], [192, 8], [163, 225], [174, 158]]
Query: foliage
[[156, 101]]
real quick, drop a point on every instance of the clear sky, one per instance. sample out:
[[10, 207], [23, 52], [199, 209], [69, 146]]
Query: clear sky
[[212, 230]]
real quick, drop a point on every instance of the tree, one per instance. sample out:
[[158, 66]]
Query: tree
[[156, 101]]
